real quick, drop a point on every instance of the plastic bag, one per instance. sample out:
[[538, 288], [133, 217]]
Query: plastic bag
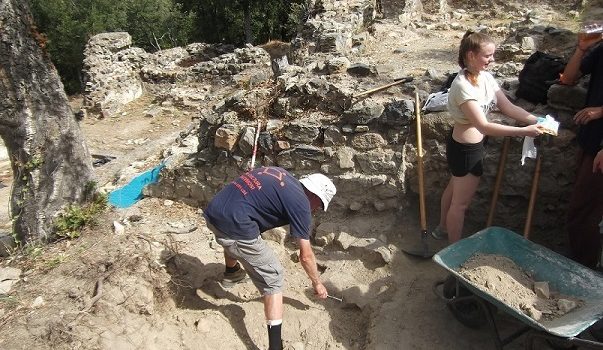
[[436, 102]]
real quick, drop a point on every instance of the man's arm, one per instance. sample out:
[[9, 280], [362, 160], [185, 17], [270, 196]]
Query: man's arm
[[572, 73], [308, 262], [598, 162]]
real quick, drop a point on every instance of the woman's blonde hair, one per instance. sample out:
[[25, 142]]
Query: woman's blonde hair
[[471, 42]]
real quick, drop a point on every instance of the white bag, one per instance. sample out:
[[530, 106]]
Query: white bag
[[436, 102]]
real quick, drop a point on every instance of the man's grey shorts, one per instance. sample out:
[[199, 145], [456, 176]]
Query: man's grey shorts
[[260, 262]]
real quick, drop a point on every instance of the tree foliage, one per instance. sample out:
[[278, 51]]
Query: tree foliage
[[160, 24], [226, 21], [67, 25]]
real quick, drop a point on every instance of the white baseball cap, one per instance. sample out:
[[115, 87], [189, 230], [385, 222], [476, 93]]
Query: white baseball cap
[[321, 186]]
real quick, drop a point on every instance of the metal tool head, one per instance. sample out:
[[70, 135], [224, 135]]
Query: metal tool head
[[425, 247], [334, 298]]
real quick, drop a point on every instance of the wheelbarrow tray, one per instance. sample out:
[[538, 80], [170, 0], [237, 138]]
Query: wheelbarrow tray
[[562, 274]]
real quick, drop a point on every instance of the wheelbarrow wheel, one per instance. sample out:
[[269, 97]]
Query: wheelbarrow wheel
[[449, 287], [468, 312], [465, 308]]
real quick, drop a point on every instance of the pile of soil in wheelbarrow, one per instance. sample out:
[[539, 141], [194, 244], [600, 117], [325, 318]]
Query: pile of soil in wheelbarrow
[[500, 277]]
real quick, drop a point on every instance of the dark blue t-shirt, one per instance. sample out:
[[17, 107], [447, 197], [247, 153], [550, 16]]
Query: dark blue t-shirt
[[259, 200], [590, 135]]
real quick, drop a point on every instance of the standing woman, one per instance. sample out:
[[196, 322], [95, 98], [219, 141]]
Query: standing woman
[[473, 94]]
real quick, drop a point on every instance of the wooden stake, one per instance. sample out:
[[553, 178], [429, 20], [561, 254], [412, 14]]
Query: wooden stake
[[255, 144]]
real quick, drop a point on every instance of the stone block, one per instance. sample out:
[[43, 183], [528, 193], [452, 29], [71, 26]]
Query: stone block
[[226, 137], [302, 132], [281, 145], [247, 140], [277, 234], [326, 232], [7, 244], [345, 158], [333, 136], [364, 112], [566, 305], [542, 289], [369, 140]]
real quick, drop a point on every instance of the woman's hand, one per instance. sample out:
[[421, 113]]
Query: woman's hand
[[588, 114], [533, 130]]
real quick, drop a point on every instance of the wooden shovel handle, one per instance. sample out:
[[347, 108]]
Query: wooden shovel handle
[[420, 165], [499, 176], [398, 81], [531, 204]]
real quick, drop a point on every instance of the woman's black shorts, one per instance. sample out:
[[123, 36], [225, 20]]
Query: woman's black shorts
[[465, 158]]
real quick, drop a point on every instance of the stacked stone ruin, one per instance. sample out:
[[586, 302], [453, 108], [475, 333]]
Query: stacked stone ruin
[[311, 122], [110, 73]]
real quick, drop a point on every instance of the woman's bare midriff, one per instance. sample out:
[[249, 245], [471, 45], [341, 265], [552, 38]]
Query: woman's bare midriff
[[466, 133]]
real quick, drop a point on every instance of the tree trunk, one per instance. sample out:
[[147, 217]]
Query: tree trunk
[[50, 161], [247, 15]]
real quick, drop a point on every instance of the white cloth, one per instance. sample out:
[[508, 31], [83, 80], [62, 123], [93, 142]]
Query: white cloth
[[528, 150]]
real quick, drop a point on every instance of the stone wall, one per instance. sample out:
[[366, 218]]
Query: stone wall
[[116, 74], [370, 153], [364, 151]]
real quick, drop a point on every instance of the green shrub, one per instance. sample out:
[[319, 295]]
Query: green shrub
[[75, 217]]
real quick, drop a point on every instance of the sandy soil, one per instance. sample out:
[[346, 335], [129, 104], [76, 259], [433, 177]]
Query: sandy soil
[[150, 288], [501, 278]]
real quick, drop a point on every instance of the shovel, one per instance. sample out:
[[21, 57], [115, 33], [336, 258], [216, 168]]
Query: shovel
[[422, 248], [533, 191]]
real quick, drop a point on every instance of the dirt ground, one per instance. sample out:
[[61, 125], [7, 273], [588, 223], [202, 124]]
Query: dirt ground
[[149, 287]]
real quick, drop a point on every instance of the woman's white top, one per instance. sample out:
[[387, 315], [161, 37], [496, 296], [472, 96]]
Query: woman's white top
[[462, 91]]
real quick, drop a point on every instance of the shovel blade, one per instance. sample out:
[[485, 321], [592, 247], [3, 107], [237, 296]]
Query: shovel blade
[[425, 247]]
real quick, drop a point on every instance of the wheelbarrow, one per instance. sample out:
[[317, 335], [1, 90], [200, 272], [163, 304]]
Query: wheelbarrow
[[475, 307]]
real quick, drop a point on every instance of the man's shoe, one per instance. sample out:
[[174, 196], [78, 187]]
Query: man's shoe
[[231, 278], [438, 233]]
